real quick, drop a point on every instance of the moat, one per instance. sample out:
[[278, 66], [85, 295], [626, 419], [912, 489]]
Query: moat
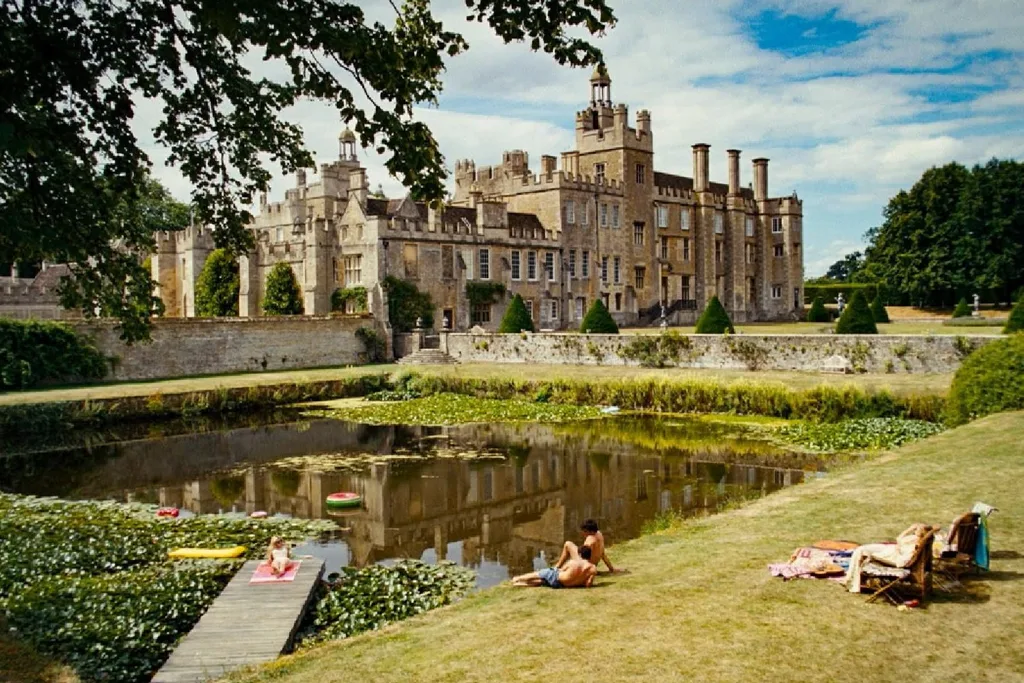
[[500, 498]]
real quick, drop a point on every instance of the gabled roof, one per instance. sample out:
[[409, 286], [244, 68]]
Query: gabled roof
[[679, 182]]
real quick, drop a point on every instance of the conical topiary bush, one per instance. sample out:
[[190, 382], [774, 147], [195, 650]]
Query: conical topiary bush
[[857, 318], [714, 319], [818, 312], [962, 310], [878, 311], [517, 318], [1015, 323], [283, 296], [598, 320]]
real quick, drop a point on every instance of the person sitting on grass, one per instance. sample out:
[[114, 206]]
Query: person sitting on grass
[[592, 539], [576, 573]]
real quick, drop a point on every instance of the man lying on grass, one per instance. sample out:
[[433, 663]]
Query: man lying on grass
[[592, 539], [575, 573]]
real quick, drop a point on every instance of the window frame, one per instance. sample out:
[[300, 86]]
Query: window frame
[[484, 263], [585, 264], [515, 260], [638, 234], [776, 225], [617, 270], [531, 266]]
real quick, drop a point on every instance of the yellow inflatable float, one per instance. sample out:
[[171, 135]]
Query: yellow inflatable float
[[206, 553]]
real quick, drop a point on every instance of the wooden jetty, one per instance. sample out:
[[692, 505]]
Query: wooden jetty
[[247, 624]]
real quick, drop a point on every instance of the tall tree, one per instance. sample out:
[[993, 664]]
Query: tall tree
[[72, 171], [845, 268], [218, 285]]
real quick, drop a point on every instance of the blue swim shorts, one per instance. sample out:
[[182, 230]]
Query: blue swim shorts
[[550, 577]]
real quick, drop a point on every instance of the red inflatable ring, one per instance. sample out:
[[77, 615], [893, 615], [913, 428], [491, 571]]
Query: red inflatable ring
[[167, 512], [344, 499]]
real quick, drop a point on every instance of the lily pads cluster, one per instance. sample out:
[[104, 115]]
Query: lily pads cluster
[[367, 599], [858, 434], [448, 409], [89, 583]]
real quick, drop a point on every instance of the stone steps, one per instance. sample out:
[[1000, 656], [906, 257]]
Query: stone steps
[[427, 357]]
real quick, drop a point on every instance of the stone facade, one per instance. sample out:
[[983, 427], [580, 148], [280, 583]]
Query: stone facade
[[903, 354], [32, 293], [197, 347], [604, 225]]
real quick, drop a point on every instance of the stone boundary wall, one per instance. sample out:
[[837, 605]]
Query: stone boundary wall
[[903, 354], [197, 346]]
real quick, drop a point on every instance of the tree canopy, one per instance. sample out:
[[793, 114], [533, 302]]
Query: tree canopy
[[73, 172], [218, 285], [282, 295], [956, 232], [845, 268]]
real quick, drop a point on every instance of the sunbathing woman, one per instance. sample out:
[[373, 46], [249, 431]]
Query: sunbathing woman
[[898, 554], [279, 554]]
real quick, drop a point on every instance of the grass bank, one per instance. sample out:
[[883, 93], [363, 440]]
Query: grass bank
[[700, 605]]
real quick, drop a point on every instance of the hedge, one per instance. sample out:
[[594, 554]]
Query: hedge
[[829, 292], [1015, 323], [35, 351], [991, 380]]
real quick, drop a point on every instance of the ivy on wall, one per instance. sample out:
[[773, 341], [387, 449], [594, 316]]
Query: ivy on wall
[[357, 295], [483, 293]]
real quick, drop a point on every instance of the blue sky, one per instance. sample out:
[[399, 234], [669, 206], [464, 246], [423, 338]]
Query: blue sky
[[850, 100]]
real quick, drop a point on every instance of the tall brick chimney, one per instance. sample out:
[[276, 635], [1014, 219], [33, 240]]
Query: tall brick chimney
[[760, 179], [700, 167], [734, 171]]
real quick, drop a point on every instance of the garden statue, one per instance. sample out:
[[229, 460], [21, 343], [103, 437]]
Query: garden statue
[[445, 323], [839, 302], [419, 323], [976, 300]]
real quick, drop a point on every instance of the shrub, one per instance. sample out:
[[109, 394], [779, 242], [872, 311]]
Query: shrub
[[656, 351], [818, 312], [991, 380], [217, 286], [714, 319], [376, 346], [962, 310], [598, 320], [517, 318], [878, 311], [33, 351], [357, 295], [1015, 323], [406, 304], [857, 318], [282, 296]]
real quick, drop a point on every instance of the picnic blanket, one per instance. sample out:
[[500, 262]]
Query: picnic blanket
[[823, 560], [264, 575]]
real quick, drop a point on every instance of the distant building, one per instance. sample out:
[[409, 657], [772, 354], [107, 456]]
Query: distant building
[[603, 225], [31, 292]]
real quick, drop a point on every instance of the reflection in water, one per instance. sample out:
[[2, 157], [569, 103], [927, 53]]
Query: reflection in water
[[499, 516]]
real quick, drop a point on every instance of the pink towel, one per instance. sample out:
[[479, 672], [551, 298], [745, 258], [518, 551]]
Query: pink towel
[[264, 575]]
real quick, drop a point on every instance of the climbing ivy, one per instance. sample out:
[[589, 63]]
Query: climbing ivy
[[482, 293], [357, 295]]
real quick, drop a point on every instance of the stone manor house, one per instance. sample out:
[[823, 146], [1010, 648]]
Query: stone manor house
[[602, 223]]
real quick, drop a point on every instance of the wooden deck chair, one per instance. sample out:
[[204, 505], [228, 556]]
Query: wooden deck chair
[[915, 578], [959, 556]]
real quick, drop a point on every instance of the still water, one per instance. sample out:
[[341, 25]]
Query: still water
[[499, 498]]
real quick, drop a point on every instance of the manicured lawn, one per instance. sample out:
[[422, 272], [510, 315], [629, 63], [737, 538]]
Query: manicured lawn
[[700, 604], [823, 328], [935, 383]]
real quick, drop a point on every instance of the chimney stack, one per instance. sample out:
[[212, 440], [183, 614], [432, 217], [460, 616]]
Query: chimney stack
[[760, 179], [476, 196], [734, 172], [548, 164], [300, 177], [357, 189], [700, 167], [643, 121]]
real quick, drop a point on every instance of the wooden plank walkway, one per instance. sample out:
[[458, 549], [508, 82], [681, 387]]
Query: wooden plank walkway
[[247, 624]]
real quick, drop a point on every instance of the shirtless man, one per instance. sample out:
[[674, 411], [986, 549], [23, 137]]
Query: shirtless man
[[575, 573], [592, 540]]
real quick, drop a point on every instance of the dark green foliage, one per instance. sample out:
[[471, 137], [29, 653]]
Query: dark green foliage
[[367, 599], [71, 157], [845, 268], [857, 317], [829, 290], [376, 346], [481, 293], [406, 304], [1015, 323], [991, 380], [878, 311], [818, 312], [714, 319], [33, 351], [598, 320], [282, 295], [517, 318], [955, 231], [217, 287], [357, 295], [89, 583], [962, 310]]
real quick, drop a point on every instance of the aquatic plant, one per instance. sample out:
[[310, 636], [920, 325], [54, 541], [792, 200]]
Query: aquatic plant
[[871, 433], [447, 408]]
